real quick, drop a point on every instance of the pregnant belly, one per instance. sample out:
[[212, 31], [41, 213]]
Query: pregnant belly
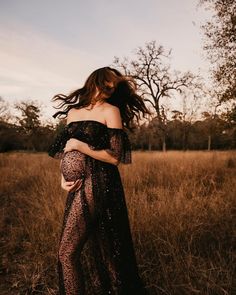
[[73, 165]]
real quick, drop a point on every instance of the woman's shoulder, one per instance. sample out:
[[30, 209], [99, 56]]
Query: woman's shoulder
[[109, 106], [70, 115], [111, 110], [113, 117]]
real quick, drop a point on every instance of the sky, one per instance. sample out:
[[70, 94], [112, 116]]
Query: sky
[[51, 47]]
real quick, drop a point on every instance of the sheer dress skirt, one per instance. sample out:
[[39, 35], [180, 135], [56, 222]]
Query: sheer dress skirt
[[95, 251]]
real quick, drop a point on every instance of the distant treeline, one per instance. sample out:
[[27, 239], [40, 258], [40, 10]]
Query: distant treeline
[[207, 134], [213, 132], [15, 137]]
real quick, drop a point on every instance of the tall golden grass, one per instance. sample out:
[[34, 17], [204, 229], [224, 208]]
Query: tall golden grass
[[182, 214]]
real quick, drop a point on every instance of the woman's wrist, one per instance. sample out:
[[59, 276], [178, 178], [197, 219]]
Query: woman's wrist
[[81, 146]]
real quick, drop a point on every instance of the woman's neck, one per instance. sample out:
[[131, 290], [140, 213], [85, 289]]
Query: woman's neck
[[95, 105]]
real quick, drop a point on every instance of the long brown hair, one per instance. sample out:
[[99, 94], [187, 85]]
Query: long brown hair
[[123, 95]]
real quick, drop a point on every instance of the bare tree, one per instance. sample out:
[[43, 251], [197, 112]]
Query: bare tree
[[191, 104], [220, 45], [156, 81], [211, 117], [4, 110]]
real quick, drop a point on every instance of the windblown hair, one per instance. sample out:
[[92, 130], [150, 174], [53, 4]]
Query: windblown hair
[[123, 95]]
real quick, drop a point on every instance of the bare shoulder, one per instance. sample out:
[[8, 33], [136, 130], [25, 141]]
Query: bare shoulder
[[70, 115], [112, 116]]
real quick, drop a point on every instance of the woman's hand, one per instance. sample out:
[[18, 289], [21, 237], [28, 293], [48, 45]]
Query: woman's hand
[[73, 144], [83, 147], [71, 186]]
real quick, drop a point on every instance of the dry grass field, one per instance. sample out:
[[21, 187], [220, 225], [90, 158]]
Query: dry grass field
[[182, 208]]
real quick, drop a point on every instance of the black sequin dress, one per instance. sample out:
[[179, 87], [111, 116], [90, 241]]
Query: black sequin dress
[[96, 254]]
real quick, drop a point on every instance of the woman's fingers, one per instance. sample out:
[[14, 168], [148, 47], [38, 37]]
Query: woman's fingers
[[76, 185], [68, 147], [72, 144], [66, 185], [71, 185]]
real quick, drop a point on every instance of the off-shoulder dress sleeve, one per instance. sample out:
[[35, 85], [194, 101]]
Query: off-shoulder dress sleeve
[[119, 145], [56, 148]]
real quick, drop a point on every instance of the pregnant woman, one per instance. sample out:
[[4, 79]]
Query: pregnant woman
[[96, 253]]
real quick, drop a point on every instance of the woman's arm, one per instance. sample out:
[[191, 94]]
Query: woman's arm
[[113, 120], [102, 155]]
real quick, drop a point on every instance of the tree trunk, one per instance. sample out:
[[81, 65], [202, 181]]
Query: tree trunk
[[184, 140], [164, 144], [149, 146], [209, 143]]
